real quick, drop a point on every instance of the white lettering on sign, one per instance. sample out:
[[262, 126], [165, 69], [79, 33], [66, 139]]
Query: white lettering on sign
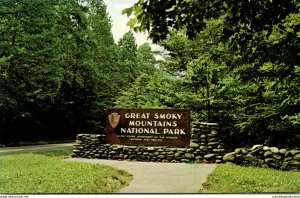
[[168, 116], [168, 127], [137, 115], [174, 131], [161, 116], [154, 123], [139, 130]]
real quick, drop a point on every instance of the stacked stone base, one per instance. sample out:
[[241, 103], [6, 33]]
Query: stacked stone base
[[205, 147], [264, 156], [208, 142]]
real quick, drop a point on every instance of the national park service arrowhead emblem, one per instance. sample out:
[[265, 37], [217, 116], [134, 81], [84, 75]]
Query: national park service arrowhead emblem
[[114, 119]]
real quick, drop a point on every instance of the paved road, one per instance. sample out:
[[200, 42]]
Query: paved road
[[151, 177], [27, 149]]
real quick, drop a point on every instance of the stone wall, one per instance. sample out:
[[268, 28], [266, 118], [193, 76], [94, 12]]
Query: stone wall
[[206, 147], [264, 156]]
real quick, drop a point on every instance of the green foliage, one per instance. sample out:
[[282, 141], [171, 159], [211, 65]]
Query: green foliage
[[243, 62], [60, 68], [55, 68], [128, 58], [44, 174], [229, 178], [260, 109], [148, 91], [145, 59], [243, 18], [159, 90], [200, 65]]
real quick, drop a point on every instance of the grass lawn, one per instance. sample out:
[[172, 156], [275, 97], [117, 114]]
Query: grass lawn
[[229, 178], [46, 172]]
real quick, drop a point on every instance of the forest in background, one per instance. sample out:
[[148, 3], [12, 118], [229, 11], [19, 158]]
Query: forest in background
[[231, 62]]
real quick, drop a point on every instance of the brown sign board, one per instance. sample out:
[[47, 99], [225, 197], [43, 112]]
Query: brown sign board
[[149, 127]]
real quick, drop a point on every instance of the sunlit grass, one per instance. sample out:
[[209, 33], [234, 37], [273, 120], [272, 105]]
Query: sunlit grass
[[229, 178], [46, 172]]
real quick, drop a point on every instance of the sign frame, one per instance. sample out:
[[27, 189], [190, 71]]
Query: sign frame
[[148, 127]]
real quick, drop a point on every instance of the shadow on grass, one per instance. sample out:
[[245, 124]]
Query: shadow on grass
[[59, 152]]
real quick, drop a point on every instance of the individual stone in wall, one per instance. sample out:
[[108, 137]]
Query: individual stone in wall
[[229, 157]]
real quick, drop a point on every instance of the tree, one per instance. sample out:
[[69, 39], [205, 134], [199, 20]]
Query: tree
[[51, 76], [148, 91], [158, 17], [199, 63], [146, 61], [25, 93], [128, 58], [261, 88]]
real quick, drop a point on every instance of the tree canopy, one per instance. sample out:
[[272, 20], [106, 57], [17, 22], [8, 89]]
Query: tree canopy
[[231, 62], [57, 62], [242, 57]]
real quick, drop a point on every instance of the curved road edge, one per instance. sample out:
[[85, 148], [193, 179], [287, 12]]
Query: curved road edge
[[32, 148]]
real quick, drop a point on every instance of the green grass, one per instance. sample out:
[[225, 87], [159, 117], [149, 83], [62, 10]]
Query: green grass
[[58, 152], [229, 178], [46, 172]]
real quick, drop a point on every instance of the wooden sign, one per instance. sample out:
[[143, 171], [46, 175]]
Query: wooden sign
[[149, 127]]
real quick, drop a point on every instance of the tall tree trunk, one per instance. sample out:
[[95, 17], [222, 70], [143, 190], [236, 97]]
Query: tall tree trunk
[[208, 102], [2, 130]]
